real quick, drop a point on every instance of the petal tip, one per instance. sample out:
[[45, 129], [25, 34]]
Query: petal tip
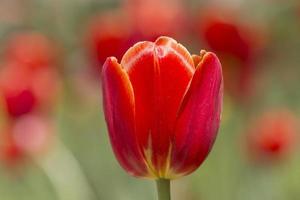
[[214, 57], [135, 52], [203, 57], [111, 59], [207, 57], [163, 40], [110, 64]]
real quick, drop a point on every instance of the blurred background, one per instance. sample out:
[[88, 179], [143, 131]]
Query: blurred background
[[53, 138]]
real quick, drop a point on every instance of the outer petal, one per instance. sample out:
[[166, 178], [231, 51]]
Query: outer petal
[[160, 73], [199, 117], [118, 106]]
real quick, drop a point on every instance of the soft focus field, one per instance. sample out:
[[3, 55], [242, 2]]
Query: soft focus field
[[261, 78]]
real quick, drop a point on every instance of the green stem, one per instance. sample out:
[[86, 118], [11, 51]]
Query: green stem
[[163, 189]]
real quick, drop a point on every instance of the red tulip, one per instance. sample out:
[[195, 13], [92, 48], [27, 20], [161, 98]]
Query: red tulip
[[30, 49], [24, 91], [227, 37], [272, 136], [20, 102], [16, 91], [162, 107], [107, 35], [237, 46]]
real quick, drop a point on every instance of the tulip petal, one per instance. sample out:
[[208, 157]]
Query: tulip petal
[[118, 100], [199, 116], [160, 73]]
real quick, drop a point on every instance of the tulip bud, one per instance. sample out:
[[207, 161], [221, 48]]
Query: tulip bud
[[162, 107]]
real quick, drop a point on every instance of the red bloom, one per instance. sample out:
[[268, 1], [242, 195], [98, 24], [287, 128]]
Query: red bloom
[[227, 37], [272, 136], [162, 107], [237, 46], [20, 102], [107, 35], [30, 49], [16, 91]]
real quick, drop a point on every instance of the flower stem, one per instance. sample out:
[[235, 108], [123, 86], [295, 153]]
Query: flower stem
[[163, 189]]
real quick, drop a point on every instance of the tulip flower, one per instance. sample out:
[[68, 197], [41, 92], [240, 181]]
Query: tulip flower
[[162, 108], [107, 35], [16, 91], [24, 90], [237, 46], [272, 136]]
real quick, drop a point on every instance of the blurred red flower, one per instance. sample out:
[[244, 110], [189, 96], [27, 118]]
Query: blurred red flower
[[29, 85], [162, 107], [107, 35], [236, 44], [272, 136], [16, 90], [24, 91]]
